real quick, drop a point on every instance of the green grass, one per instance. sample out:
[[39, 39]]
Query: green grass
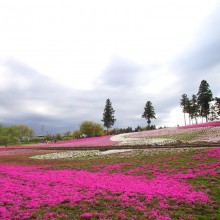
[[187, 136]]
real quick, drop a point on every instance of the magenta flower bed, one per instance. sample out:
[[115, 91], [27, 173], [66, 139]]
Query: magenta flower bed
[[85, 142], [208, 124], [24, 190]]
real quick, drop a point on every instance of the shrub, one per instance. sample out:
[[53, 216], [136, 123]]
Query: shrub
[[91, 129]]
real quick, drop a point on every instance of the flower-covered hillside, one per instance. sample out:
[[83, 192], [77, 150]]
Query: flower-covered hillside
[[207, 132], [85, 142], [207, 124]]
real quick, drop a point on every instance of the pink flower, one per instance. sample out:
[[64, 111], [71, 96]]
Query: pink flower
[[208, 124]]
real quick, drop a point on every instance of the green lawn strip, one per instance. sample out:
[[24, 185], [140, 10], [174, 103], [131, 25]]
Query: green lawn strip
[[162, 160], [100, 208], [113, 209], [211, 184], [187, 136]]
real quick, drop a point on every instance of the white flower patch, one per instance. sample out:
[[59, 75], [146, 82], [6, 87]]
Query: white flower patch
[[115, 151], [123, 153], [124, 139], [67, 154], [78, 154], [190, 135], [118, 137]]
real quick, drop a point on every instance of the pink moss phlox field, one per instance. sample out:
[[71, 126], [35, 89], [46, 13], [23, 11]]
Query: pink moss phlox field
[[92, 141], [85, 142], [214, 153], [210, 132], [208, 124], [25, 189]]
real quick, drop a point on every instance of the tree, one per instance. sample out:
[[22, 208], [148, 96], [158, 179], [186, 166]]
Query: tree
[[48, 137], [204, 98], [24, 132], [189, 109], [76, 134], [215, 110], [15, 133], [217, 104], [4, 140], [194, 108], [149, 112], [57, 137], [108, 115], [128, 129], [138, 128], [184, 104], [213, 113], [68, 135], [91, 129]]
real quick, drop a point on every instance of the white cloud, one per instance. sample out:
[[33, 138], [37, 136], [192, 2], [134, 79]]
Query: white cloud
[[74, 41], [61, 60], [174, 118]]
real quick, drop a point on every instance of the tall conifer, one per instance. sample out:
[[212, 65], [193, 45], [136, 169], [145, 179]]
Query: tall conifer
[[194, 108], [204, 98], [184, 104], [148, 112], [108, 115]]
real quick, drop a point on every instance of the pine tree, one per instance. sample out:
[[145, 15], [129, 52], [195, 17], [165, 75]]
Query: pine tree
[[148, 112], [194, 108], [184, 103], [189, 109], [108, 115], [217, 104], [204, 98]]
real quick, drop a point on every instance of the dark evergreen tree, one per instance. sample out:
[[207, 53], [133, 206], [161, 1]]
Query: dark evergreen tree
[[128, 129], [108, 115], [194, 108], [148, 112], [217, 104], [138, 128], [204, 98], [184, 103], [189, 109]]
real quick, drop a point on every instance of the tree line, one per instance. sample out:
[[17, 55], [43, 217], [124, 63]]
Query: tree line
[[201, 105], [91, 129], [19, 134], [15, 134]]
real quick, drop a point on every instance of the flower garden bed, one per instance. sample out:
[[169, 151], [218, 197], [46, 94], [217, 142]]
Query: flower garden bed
[[207, 124], [43, 181], [205, 134], [85, 142], [195, 134], [182, 185]]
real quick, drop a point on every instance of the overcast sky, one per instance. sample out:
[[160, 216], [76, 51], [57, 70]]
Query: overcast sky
[[61, 60]]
